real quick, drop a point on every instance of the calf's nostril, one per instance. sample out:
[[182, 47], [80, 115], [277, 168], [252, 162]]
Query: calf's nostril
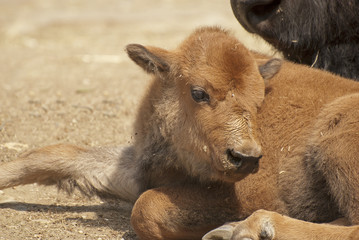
[[238, 159], [235, 157]]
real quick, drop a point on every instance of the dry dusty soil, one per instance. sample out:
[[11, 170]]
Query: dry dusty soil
[[65, 78]]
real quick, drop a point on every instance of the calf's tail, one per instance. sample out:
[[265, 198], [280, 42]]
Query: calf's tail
[[106, 172]]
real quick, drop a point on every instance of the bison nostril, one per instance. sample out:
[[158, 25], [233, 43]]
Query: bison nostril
[[251, 12], [238, 159], [235, 157], [263, 9]]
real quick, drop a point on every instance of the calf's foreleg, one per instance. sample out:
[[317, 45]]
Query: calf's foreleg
[[184, 212]]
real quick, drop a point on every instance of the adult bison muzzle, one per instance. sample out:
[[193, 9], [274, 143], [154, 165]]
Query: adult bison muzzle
[[321, 33]]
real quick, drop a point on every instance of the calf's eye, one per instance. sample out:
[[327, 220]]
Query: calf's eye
[[199, 94]]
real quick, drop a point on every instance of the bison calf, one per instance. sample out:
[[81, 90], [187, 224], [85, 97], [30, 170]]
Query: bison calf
[[215, 113], [196, 125]]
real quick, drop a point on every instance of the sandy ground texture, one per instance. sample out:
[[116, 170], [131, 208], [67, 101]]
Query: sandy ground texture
[[65, 78]]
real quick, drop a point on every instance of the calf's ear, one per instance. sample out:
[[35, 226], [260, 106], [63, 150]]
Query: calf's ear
[[152, 60], [270, 68]]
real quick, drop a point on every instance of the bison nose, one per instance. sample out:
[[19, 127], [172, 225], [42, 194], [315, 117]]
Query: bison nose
[[244, 163], [250, 13]]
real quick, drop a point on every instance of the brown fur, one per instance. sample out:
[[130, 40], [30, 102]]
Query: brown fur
[[264, 225], [305, 128]]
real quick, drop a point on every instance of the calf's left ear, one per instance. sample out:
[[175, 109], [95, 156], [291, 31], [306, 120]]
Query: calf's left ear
[[270, 68], [152, 60]]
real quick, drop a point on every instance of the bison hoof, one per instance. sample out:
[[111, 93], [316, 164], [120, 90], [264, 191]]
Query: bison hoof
[[224, 232], [258, 226]]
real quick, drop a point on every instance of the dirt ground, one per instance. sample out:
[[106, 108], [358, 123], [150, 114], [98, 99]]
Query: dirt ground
[[65, 78]]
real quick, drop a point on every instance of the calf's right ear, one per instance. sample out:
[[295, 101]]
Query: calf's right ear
[[152, 60], [270, 68]]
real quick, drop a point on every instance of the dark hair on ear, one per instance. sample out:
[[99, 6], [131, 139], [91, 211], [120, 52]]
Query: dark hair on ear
[[149, 61], [270, 68]]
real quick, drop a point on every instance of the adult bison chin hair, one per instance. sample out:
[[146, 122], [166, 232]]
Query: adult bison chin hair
[[321, 33]]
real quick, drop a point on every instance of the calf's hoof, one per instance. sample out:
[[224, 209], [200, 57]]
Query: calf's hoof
[[258, 226]]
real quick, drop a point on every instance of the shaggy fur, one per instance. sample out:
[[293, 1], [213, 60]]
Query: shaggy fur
[[212, 110], [322, 33]]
